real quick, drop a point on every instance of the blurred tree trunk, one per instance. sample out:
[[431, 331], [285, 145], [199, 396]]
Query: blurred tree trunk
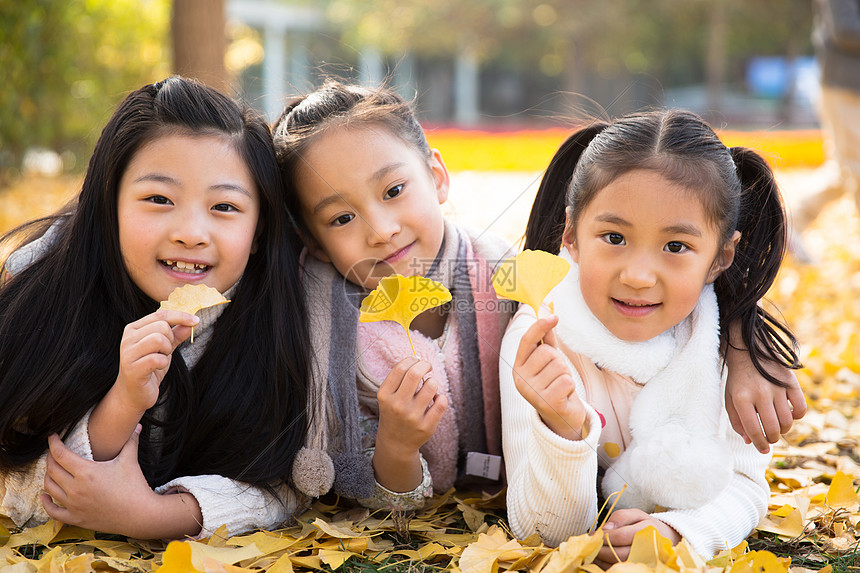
[[199, 41], [795, 14]]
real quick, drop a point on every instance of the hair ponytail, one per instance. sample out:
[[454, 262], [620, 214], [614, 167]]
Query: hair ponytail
[[762, 224], [546, 220]]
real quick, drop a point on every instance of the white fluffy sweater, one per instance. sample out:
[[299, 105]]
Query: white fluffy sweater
[[552, 481]]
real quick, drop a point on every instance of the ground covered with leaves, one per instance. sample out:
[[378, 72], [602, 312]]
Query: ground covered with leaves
[[812, 522]]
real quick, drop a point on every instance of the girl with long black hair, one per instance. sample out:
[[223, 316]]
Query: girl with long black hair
[[129, 426]]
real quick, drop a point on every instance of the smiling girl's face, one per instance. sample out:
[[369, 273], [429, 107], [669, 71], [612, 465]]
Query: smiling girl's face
[[645, 248], [371, 203], [188, 210]]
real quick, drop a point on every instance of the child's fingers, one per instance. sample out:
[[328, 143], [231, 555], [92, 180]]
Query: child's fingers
[[176, 317], [550, 337], [769, 423], [54, 491], [181, 333], [425, 394], [735, 420], [437, 408], [752, 426], [405, 377], [526, 374], [533, 337], [65, 459], [153, 343], [55, 511], [783, 415], [797, 400], [170, 317]]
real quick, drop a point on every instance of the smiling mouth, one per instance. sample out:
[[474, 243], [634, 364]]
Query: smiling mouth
[[635, 309], [636, 304], [183, 267], [398, 254]]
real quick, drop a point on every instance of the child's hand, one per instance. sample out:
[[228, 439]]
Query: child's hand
[[145, 352], [542, 376], [144, 355], [759, 410], [409, 411], [113, 496], [619, 530]]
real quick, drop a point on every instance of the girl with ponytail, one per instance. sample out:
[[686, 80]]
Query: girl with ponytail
[[672, 240]]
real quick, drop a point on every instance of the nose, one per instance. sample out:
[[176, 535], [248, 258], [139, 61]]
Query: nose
[[382, 229], [190, 228], [639, 272]]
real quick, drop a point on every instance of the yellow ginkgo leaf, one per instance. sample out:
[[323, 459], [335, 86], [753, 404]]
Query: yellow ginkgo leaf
[[649, 547], [177, 559], [529, 277], [841, 492], [191, 298], [401, 299]]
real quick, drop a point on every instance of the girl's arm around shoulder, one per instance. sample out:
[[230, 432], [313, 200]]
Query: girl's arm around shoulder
[[114, 497], [551, 479], [758, 409]]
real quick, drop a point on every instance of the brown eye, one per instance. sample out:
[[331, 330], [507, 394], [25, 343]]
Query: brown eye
[[614, 238], [343, 220], [394, 191]]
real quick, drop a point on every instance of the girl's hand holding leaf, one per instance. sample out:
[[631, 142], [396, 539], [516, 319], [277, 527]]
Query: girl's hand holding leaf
[[542, 377], [145, 353], [409, 411], [409, 406]]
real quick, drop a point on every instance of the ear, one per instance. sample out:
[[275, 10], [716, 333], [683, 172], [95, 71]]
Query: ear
[[440, 175], [724, 257], [568, 239], [314, 248]]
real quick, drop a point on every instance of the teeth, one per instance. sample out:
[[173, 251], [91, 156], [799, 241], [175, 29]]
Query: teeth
[[186, 267]]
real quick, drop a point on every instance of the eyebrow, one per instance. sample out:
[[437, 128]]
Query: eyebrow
[[679, 229], [383, 171], [326, 202], [167, 180]]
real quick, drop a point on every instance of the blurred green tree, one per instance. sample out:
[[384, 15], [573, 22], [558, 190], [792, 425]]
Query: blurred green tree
[[67, 63]]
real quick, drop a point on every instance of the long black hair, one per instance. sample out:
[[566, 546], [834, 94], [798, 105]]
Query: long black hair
[[240, 412], [736, 186]]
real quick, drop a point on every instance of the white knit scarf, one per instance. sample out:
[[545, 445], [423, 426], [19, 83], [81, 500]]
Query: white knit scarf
[[677, 458]]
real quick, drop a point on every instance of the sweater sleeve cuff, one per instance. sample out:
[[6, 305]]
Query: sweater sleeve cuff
[[78, 439], [238, 505], [557, 445], [402, 501]]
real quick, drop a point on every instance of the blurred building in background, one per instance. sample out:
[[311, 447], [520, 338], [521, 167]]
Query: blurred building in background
[[491, 64], [515, 63]]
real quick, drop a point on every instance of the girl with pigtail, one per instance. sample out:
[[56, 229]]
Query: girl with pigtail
[[672, 240]]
